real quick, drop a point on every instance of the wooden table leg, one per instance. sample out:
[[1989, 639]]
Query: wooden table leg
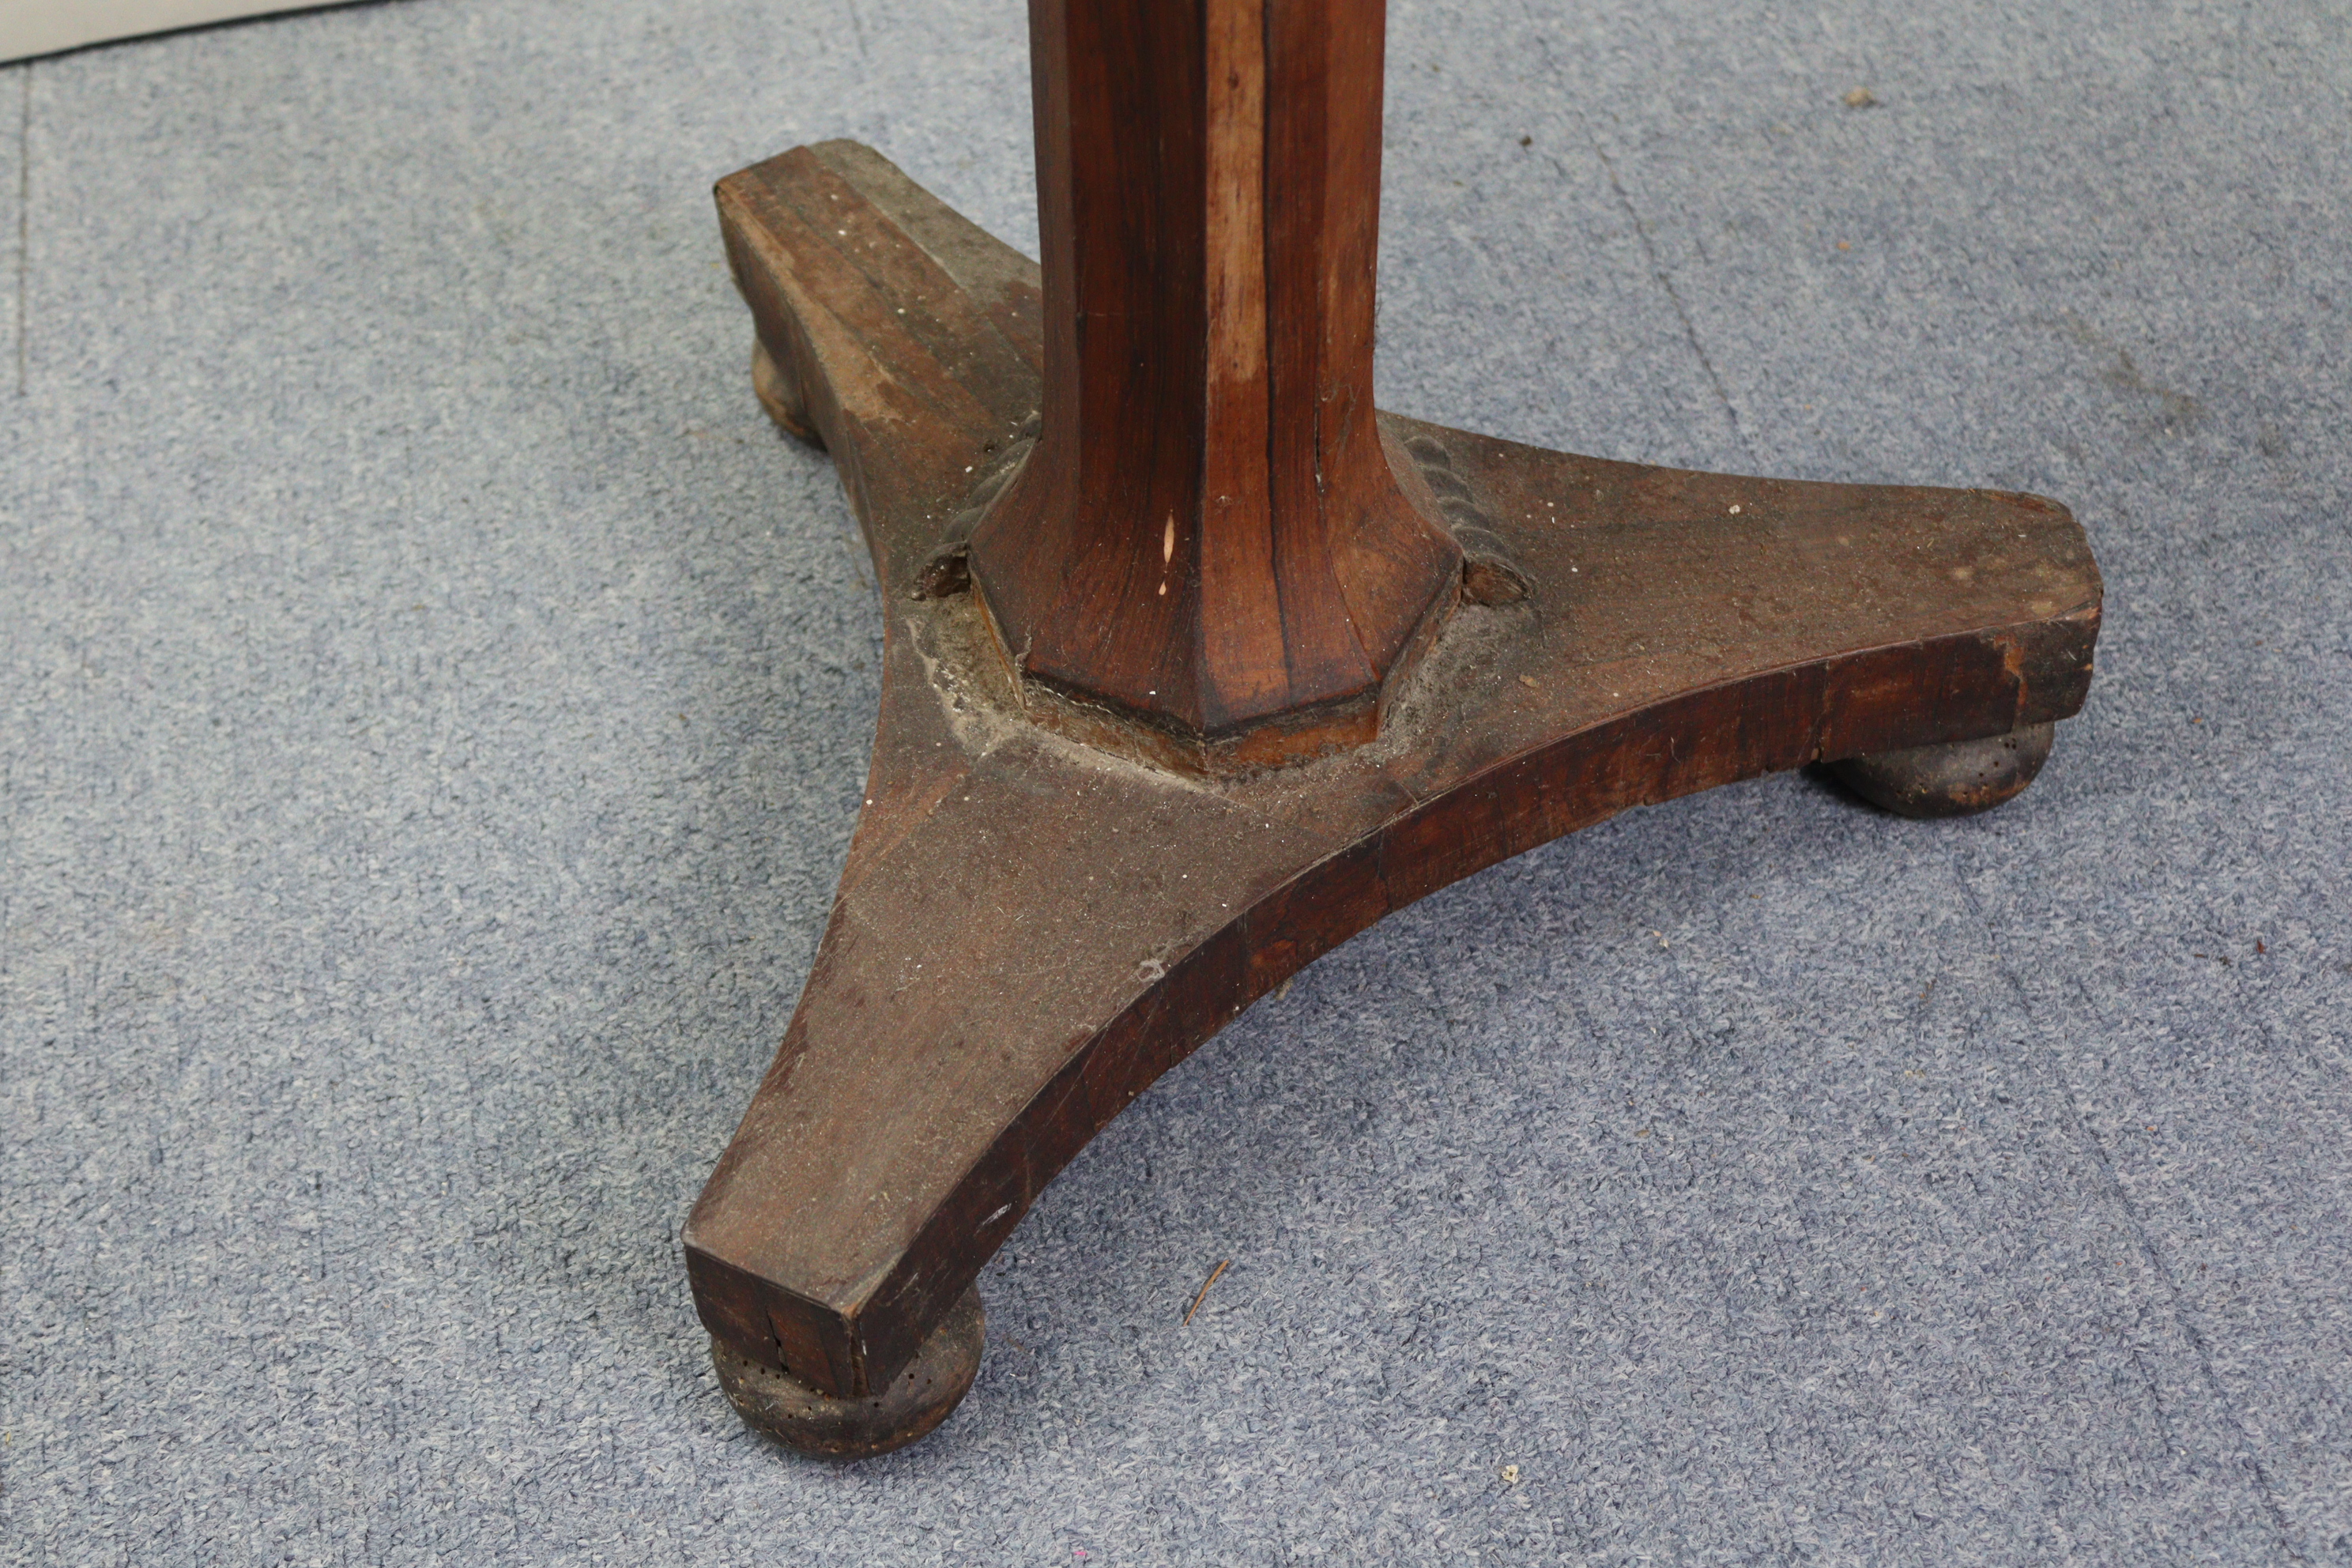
[[1195, 666]]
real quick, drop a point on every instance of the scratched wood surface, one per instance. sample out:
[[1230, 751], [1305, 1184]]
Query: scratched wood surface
[[1030, 929]]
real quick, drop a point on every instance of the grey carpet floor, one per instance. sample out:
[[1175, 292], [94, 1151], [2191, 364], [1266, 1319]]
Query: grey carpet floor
[[433, 707]]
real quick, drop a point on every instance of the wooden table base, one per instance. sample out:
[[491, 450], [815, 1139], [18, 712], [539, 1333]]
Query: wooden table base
[[1038, 919]]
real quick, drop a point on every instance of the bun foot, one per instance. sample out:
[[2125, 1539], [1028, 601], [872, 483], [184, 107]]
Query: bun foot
[[918, 1399], [780, 394], [1958, 778]]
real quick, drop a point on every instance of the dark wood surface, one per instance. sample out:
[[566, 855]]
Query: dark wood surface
[[1208, 538], [1031, 929]]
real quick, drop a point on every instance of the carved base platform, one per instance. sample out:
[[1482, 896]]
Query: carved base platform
[[1031, 928]]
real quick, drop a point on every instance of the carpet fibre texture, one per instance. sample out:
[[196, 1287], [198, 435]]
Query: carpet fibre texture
[[433, 706]]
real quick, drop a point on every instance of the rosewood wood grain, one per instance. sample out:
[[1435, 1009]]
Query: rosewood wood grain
[[1031, 928], [1208, 548]]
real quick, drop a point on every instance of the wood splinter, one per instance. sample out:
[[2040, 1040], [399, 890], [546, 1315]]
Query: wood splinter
[[1195, 665], [1214, 1275]]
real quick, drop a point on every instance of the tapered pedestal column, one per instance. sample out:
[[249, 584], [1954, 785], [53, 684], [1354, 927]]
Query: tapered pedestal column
[[1101, 819], [1209, 560]]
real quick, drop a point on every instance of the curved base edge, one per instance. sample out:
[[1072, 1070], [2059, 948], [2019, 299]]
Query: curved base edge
[[922, 1394]]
